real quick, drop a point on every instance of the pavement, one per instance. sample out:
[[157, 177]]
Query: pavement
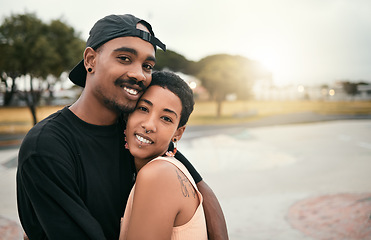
[[299, 176]]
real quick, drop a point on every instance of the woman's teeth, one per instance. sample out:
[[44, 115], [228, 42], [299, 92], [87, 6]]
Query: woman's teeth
[[141, 139]]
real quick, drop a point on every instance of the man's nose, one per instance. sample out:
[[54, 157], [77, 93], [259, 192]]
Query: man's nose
[[136, 72]]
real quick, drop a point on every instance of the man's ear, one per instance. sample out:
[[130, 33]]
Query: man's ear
[[89, 58], [179, 133]]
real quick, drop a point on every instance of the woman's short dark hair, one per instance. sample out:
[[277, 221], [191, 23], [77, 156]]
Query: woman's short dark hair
[[179, 87]]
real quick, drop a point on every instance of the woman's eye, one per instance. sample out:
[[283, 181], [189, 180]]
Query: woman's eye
[[144, 109], [167, 119]]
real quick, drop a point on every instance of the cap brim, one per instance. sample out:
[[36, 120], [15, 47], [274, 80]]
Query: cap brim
[[78, 74]]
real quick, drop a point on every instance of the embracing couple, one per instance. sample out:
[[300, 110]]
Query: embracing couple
[[107, 166]]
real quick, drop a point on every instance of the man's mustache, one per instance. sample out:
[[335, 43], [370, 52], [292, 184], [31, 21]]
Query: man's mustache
[[121, 81]]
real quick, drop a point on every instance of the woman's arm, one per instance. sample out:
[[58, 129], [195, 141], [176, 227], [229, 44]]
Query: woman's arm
[[155, 206], [215, 221]]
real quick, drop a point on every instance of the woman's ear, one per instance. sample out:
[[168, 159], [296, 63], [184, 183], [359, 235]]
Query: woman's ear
[[89, 59], [178, 133]]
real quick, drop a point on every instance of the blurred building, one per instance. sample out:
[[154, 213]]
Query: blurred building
[[264, 91], [199, 92]]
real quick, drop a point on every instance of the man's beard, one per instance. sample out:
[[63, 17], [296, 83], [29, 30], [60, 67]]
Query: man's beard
[[128, 108], [119, 109]]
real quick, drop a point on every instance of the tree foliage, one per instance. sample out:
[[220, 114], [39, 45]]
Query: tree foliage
[[220, 74], [33, 49], [27, 48], [68, 47], [350, 88], [173, 61], [225, 74]]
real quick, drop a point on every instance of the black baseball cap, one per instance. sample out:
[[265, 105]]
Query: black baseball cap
[[111, 27]]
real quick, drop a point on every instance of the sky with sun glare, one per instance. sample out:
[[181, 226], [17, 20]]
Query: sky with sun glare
[[308, 42]]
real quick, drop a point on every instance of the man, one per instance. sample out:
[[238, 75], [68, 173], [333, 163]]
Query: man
[[74, 174]]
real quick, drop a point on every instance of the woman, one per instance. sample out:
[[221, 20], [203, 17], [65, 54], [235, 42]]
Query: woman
[[164, 202]]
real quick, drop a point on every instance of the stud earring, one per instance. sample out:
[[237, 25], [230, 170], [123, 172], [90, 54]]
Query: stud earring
[[90, 69]]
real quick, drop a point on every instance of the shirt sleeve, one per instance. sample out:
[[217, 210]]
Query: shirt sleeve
[[49, 204]]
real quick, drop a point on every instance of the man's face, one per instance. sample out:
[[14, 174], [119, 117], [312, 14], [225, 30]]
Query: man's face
[[122, 70]]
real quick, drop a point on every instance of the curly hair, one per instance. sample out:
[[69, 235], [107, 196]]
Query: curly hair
[[179, 87]]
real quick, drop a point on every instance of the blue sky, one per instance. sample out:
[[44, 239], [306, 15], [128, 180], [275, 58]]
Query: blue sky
[[301, 41]]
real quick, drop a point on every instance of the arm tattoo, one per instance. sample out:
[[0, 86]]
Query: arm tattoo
[[183, 185]]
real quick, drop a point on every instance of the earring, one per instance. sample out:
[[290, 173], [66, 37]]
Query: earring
[[126, 143], [90, 69], [172, 153]]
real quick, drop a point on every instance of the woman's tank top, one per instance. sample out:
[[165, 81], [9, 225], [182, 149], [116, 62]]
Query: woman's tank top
[[195, 228]]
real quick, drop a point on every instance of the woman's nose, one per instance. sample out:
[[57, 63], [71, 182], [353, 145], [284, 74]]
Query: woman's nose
[[149, 125]]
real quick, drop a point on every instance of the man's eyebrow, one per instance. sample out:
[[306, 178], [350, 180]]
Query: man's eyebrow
[[126, 49], [151, 58], [133, 51]]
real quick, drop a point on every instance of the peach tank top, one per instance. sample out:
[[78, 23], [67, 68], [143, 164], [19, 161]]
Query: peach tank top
[[195, 228]]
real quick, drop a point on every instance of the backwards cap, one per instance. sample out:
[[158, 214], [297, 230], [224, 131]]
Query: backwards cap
[[111, 27]]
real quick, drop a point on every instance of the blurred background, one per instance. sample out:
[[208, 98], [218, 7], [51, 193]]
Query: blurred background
[[251, 64], [247, 52]]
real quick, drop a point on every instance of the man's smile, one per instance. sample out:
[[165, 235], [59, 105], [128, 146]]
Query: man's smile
[[131, 91]]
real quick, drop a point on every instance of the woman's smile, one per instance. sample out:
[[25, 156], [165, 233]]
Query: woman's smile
[[144, 139]]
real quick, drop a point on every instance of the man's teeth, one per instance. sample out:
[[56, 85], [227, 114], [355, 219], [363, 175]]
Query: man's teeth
[[141, 139], [131, 91]]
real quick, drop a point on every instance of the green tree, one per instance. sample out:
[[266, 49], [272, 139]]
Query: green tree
[[35, 50], [350, 88], [68, 49], [224, 74], [173, 61], [9, 69], [8, 80], [28, 52]]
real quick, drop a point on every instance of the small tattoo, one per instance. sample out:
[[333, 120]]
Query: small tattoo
[[183, 181]]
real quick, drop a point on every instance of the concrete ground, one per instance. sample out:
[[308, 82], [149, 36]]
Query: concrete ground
[[298, 181], [259, 174]]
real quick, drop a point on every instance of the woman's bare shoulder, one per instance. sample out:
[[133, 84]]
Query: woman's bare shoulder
[[158, 172]]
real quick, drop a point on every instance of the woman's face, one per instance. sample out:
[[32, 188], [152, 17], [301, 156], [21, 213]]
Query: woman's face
[[154, 123]]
